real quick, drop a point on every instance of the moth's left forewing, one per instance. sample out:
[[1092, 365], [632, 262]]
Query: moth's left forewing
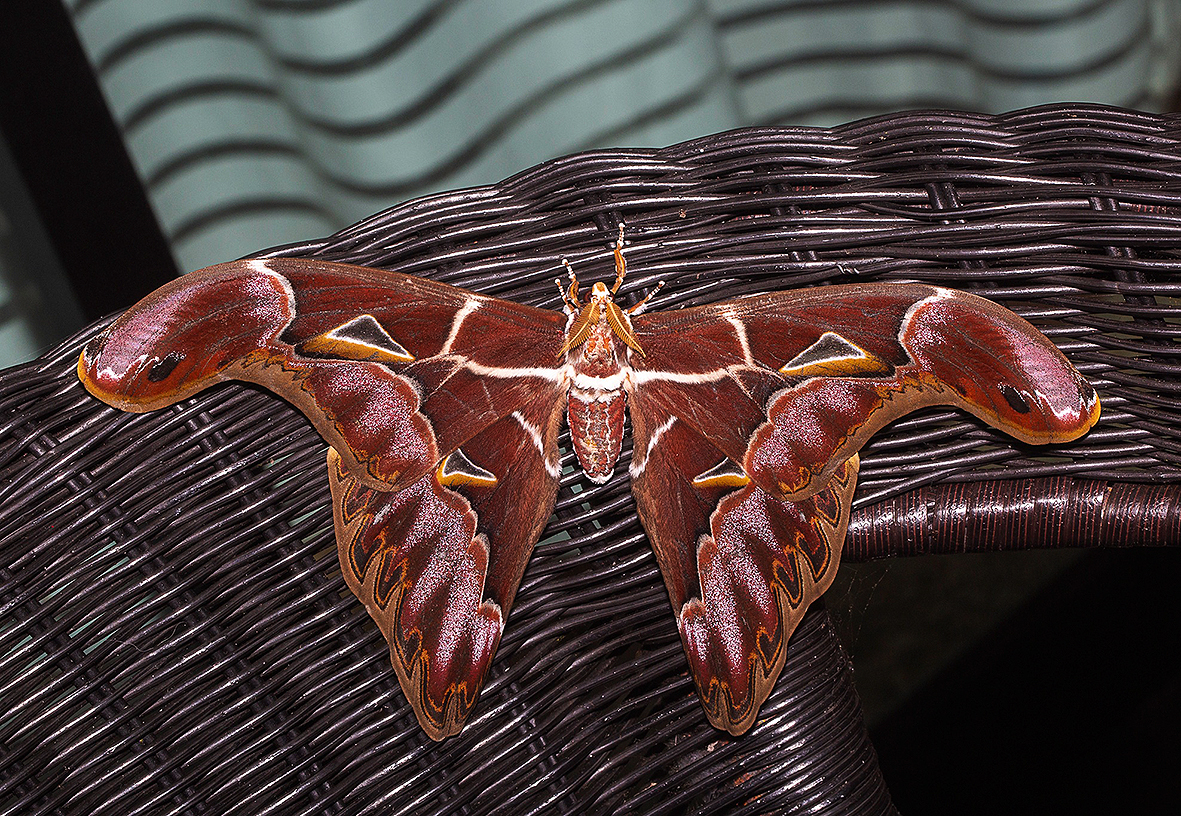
[[798, 381], [394, 371]]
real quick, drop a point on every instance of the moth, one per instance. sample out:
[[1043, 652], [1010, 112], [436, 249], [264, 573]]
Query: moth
[[442, 409]]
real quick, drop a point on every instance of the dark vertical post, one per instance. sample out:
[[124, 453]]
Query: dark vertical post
[[71, 158]]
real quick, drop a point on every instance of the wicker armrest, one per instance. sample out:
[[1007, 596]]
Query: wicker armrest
[[175, 634]]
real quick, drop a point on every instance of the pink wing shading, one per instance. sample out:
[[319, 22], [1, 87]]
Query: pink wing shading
[[741, 566]]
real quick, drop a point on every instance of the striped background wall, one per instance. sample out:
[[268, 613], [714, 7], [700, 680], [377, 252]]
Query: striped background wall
[[827, 63], [256, 122]]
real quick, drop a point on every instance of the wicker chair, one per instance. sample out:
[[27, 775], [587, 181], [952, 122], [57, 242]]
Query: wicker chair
[[175, 634]]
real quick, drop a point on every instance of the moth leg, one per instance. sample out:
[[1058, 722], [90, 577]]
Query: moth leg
[[570, 296], [567, 305], [620, 264]]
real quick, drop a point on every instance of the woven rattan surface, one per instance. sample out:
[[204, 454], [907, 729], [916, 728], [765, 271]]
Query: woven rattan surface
[[175, 634]]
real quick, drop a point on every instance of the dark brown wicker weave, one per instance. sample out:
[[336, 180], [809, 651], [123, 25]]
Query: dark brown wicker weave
[[175, 635]]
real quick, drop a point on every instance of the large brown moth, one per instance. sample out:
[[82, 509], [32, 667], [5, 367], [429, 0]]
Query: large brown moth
[[442, 408]]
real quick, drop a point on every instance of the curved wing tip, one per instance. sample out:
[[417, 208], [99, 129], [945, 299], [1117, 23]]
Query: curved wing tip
[[438, 731], [110, 395], [1093, 412], [1096, 410], [735, 728], [1060, 431], [83, 374]]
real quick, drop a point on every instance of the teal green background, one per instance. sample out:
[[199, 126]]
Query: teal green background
[[260, 122]]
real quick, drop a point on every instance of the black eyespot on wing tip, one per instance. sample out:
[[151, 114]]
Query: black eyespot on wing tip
[[165, 366], [1015, 399]]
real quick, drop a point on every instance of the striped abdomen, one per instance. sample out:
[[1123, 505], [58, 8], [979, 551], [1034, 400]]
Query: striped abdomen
[[596, 426]]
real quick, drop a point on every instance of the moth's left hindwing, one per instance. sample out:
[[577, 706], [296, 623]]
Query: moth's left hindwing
[[741, 566], [437, 564], [442, 408]]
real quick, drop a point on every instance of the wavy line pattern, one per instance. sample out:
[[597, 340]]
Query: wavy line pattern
[[258, 122], [859, 57]]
